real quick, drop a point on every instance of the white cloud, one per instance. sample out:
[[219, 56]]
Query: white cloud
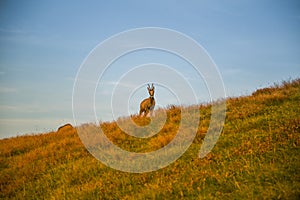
[[20, 126], [121, 84], [7, 89], [8, 108]]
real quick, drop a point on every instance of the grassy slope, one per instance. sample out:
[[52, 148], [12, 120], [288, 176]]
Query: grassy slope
[[257, 156]]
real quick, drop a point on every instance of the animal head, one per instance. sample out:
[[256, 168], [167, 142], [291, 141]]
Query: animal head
[[151, 90]]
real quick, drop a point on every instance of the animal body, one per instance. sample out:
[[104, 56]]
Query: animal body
[[65, 127], [147, 105]]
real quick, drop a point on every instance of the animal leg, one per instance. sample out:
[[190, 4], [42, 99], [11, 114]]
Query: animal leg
[[146, 113], [141, 112]]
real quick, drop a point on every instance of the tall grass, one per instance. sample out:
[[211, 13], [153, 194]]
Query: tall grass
[[256, 157]]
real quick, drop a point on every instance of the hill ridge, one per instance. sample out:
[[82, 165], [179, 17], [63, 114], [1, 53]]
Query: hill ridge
[[257, 156]]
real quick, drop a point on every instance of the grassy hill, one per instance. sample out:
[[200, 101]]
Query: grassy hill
[[256, 157]]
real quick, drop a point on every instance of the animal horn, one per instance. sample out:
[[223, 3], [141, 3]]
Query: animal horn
[[148, 86], [152, 86]]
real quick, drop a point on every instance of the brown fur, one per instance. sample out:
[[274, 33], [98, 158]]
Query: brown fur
[[147, 105], [65, 127]]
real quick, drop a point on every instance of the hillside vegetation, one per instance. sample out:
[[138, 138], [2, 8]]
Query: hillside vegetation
[[256, 157]]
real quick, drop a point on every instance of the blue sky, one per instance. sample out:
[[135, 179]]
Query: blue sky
[[43, 44]]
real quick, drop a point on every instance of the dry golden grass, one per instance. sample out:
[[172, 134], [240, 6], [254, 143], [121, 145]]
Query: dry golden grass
[[256, 157]]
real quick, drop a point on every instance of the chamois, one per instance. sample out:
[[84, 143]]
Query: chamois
[[147, 105]]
